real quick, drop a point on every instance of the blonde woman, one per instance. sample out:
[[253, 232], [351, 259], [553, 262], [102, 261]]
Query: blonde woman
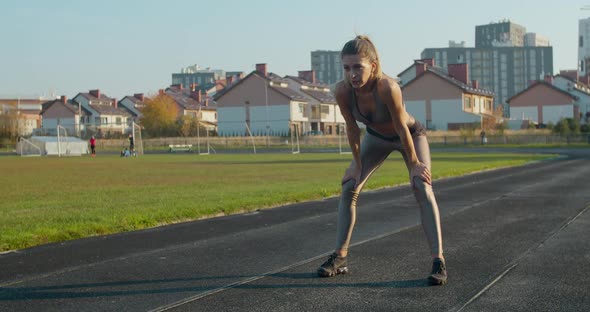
[[369, 96]]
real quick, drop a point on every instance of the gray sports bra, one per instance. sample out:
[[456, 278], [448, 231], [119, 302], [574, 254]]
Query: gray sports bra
[[381, 114]]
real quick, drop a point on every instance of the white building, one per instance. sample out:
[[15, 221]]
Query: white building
[[261, 103], [105, 115]]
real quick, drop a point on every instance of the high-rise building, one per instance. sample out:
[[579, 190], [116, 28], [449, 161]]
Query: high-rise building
[[327, 66], [196, 75], [584, 46], [501, 34], [536, 40], [500, 62]]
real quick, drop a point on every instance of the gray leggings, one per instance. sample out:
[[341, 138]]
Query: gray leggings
[[373, 152]]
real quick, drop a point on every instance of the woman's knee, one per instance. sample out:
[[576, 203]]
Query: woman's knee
[[348, 185], [419, 186]]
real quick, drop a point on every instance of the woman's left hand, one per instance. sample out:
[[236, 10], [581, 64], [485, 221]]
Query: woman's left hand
[[421, 171]]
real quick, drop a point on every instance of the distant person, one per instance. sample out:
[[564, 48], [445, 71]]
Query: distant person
[[369, 96], [131, 144], [484, 139], [93, 146]]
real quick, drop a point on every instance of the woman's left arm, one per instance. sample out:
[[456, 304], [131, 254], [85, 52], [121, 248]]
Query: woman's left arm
[[392, 96]]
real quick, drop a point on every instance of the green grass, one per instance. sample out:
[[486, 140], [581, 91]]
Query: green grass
[[52, 199]]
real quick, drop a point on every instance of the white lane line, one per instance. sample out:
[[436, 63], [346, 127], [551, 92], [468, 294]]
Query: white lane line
[[254, 278], [516, 261]]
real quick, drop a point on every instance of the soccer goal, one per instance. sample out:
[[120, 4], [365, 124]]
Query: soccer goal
[[341, 135], [199, 152], [295, 149], [28, 148], [137, 141], [63, 143], [251, 137]]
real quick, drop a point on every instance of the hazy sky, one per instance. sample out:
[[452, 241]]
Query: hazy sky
[[129, 46]]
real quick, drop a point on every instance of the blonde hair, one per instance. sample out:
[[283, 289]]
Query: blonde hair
[[363, 47]]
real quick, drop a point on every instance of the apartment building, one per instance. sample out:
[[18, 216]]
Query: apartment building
[[327, 65]]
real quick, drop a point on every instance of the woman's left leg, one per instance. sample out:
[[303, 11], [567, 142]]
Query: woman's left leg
[[425, 196], [429, 213]]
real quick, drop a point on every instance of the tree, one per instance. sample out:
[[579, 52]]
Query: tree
[[159, 115], [187, 126], [10, 125], [491, 122], [567, 126]]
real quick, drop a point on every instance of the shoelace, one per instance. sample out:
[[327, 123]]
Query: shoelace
[[331, 260], [441, 267]]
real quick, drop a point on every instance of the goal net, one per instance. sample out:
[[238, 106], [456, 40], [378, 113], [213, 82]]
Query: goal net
[[343, 146], [28, 148], [199, 139], [137, 139], [295, 139], [63, 143]]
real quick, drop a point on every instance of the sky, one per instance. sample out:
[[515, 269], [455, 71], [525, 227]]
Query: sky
[[122, 47]]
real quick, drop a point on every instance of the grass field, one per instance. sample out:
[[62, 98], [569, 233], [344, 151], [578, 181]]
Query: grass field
[[47, 199]]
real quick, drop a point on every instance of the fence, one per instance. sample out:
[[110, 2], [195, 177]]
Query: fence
[[331, 143], [328, 141]]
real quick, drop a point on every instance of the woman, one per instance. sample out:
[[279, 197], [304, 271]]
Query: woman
[[93, 146], [368, 96]]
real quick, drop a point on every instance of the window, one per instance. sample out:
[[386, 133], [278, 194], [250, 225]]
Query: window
[[118, 121], [467, 102]]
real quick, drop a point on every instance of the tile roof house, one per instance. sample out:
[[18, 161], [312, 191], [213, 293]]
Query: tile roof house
[[192, 102], [446, 100], [577, 88], [543, 103], [65, 113], [133, 105], [262, 103], [324, 112], [105, 115]]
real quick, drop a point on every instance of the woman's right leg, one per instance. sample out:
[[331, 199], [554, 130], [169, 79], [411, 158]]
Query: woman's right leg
[[373, 152]]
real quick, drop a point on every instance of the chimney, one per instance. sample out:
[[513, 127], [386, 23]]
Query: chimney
[[161, 92], [196, 95], [549, 79], [229, 80], [261, 68], [206, 102], [115, 103], [429, 61], [459, 72], [307, 75], [139, 96], [420, 67], [63, 99], [475, 84], [95, 93], [193, 86]]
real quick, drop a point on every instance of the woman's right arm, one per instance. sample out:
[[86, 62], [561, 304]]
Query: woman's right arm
[[352, 129]]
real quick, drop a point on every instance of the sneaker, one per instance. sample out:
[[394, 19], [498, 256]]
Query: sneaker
[[333, 266], [438, 276]]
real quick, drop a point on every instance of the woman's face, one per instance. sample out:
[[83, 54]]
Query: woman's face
[[357, 70]]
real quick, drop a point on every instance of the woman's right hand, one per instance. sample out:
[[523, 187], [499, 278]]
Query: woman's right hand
[[352, 173]]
